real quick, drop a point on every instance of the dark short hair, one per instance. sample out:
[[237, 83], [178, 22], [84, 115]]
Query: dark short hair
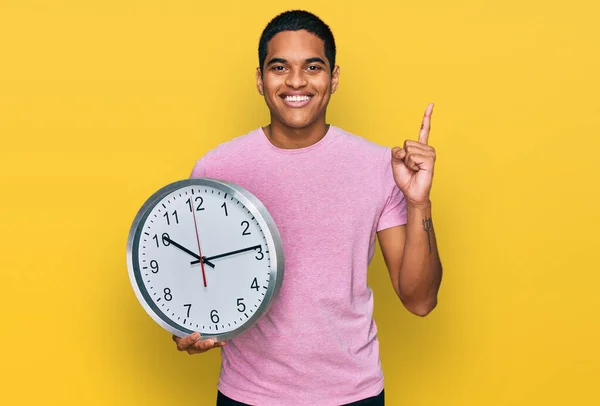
[[295, 20]]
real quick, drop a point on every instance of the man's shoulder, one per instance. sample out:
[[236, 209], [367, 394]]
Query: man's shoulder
[[360, 144], [236, 145], [226, 153]]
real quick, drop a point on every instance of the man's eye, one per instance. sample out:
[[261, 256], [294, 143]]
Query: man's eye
[[278, 68], [314, 68]]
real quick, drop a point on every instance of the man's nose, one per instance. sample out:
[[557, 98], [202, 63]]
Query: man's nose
[[296, 79]]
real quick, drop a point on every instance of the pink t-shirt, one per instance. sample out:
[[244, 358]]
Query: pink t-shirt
[[317, 345]]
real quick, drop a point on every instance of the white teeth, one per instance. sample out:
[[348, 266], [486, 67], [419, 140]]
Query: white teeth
[[297, 98]]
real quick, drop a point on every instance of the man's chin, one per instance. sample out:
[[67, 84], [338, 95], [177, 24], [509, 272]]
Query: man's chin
[[298, 123]]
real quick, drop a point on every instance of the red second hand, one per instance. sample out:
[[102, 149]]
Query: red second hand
[[199, 250]]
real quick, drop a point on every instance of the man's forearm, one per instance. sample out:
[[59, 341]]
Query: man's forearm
[[421, 269]]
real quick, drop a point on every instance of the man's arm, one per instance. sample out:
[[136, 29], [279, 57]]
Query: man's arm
[[411, 255]]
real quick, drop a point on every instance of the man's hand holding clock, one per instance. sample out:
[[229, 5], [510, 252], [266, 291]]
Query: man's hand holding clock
[[193, 345]]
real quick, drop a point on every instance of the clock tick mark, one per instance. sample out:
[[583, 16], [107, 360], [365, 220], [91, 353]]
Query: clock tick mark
[[163, 205], [225, 196], [146, 234]]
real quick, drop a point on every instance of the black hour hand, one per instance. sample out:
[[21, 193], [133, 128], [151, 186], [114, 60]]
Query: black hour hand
[[181, 247]]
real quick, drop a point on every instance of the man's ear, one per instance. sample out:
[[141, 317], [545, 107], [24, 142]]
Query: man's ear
[[259, 82], [335, 78]]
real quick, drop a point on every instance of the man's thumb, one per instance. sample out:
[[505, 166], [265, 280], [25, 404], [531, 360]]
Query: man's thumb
[[398, 154]]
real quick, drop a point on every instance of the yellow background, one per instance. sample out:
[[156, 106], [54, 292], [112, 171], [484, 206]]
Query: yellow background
[[104, 102]]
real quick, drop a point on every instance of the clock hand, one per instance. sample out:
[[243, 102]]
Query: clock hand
[[181, 247], [199, 250], [232, 252], [226, 254]]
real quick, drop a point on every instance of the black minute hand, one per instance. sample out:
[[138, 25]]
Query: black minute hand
[[226, 254], [181, 247]]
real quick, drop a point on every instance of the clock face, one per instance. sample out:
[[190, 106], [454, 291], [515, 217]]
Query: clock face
[[206, 256]]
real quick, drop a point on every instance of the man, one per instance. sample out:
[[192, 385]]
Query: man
[[330, 193]]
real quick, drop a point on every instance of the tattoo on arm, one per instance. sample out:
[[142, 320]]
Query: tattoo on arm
[[427, 225]]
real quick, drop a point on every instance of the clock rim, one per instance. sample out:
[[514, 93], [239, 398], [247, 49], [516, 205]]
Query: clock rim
[[268, 227]]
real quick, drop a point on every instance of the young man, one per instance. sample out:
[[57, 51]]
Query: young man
[[330, 193]]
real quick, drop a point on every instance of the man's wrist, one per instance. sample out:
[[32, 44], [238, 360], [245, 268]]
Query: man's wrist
[[424, 207]]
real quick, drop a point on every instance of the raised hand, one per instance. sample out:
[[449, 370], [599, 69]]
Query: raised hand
[[412, 165]]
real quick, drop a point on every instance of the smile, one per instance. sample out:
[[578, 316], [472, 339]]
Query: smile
[[297, 100]]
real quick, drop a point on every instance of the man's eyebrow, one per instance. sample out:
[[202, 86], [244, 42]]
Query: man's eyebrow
[[276, 60], [309, 60], [315, 59]]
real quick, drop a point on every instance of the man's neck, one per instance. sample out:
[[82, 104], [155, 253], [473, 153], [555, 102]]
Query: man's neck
[[286, 137]]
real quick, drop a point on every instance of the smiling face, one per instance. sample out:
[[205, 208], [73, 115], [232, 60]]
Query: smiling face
[[296, 79]]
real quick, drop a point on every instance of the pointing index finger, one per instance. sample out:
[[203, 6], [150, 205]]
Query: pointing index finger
[[426, 125]]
